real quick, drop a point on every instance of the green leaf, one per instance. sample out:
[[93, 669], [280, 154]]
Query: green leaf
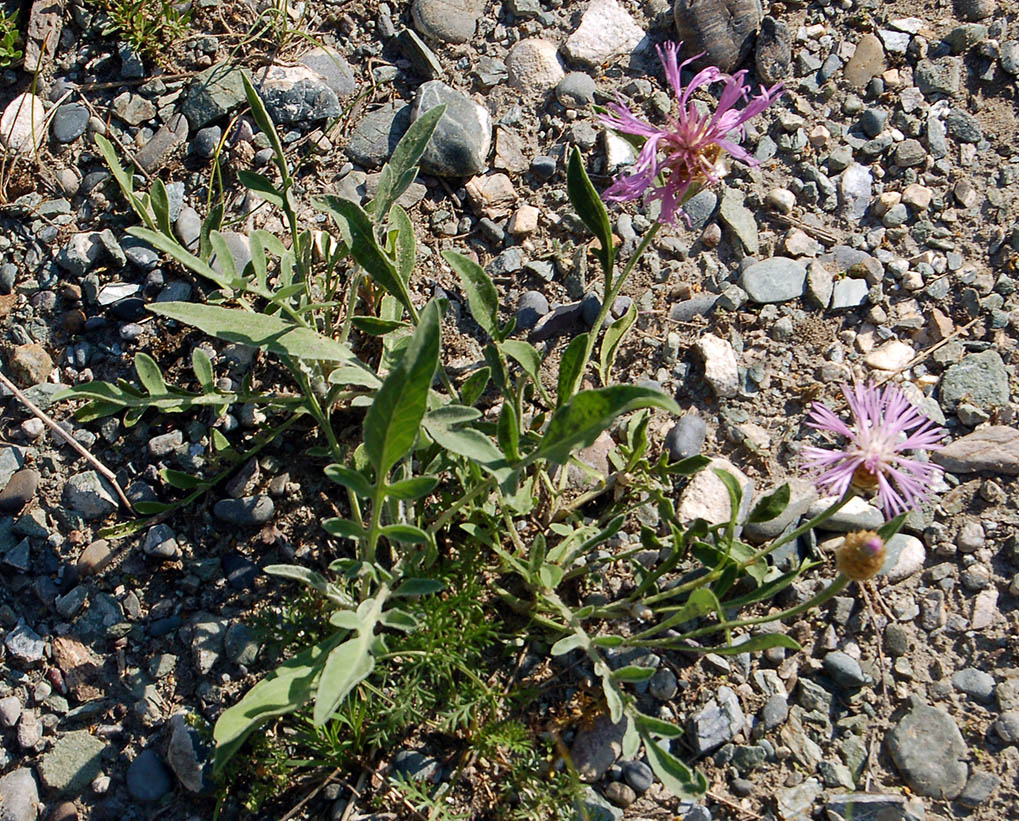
[[771, 505], [689, 466], [571, 369], [450, 415], [262, 186], [349, 478], [397, 619], [411, 489], [202, 366], [264, 122], [149, 374], [316, 581], [474, 386], [284, 690], [890, 528], [482, 297], [270, 333], [656, 726], [400, 171], [179, 479], [160, 206], [405, 253], [345, 667], [151, 508], [632, 673], [373, 326], [406, 534], [392, 422], [591, 210], [419, 587], [578, 423], [679, 779], [568, 644], [354, 374], [550, 576], [212, 222], [608, 641], [735, 491], [610, 342], [508, 431], [754, 644], [344, 528], [365, 246], [464, 441], [613, 697], [182, 255]]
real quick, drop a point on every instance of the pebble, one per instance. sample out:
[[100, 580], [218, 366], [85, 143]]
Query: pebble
[[596, 748], [459, 146], [30, 364], [184, 754], [975, 9], [133, 109], [447, 21], [606, 32], [777, 279], [620, 794], [1007, 726], [533, 65], [721, 369], [576, 90], [891, 356], [89, 495], [533, 305], [979, 788], [377, 134], [72, 763], [19, 796], [874, 807], [857, 514], [23, 126], [19, 491], [297, 94], [906, 557], [69, 122], [214, 93], [95, 558], [29, 730], [638, 775], [415, 764], [928, 749], [163, 145], [161, 542], [977, 684], [205, 143], [844, 670], [855, 187], [717, 722], [663, 685], [10, 711], [333, 68], [686, 437], [868, 61], [148, 779], [24, 645]]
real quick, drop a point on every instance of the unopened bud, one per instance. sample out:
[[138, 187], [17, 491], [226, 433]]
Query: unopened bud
[[861, 556]]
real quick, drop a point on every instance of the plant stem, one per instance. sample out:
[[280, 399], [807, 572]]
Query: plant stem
[[823, 516], [448, 513]]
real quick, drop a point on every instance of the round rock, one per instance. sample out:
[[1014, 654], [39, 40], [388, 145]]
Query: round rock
[[447, 21], [724, 29], [459, 146], [533, 65], [19, 491], [69, 122], [930, 752], [533, 306], [778, 279], [248, 511], [148, 779], [686, 437], [575, 90]]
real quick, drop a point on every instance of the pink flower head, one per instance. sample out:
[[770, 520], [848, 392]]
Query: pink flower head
[[693, 144], [886, 427]]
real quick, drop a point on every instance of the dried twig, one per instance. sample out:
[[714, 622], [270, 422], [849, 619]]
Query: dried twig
[[301, 804], [355, 793], [920, 357], [104, 471], [815, 231]]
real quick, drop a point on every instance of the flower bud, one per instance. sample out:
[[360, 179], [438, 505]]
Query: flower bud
[[861, 556]]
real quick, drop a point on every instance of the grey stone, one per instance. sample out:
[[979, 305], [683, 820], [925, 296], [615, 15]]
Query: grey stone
[[775, 711], [165, 444], [19, 796], [415, 765], [773, 51], [148, 779], [89, 495], [72, 764], [855, 187], [81, 252], [977, 684], [447, 21], [296, 94], [1007, 726], [29, 730], [69, 122], [849, 293], [576, 90], [725, 30], [963, 38], [717, 722], [565, 319], [638, 775], [979, 788], [797, 802], [532, 307], [994, 448], [964, 126], [844, 670], [975, 9], [1008, 55], [240, 644], [929, 751], [133, 109], [334, 70], [164, 143], [873, 807], [187, 756], [377, 134], [239, 247], [214, 93], [909, 153], [161, 542], [980, 379], [740, 220], [12, 459], [686, 437], [10, 711], [205, 143], [606, 33], [207, 643], [461, 141], [597, 808], [700, 208], [778, 279], [596, 748], [663, 685], [941, 77], [24, 645], [421, 57], [873, 121]]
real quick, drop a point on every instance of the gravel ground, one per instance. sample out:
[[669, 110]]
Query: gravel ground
[[876, 240]]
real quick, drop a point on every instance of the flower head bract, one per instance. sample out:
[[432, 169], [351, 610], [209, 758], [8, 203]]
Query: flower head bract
[[886, 429], [690, 149]]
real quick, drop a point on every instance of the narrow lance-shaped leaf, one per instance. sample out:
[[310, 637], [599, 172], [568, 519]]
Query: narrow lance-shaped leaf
[[591, 210], [392, 422], [149, 374], [399, 172], [482, 298], [679, 779], [771, 505], [571, 369], [610, 342]]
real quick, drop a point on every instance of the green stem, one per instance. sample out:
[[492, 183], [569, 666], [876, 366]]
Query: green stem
[[450, 512], [823, 516]]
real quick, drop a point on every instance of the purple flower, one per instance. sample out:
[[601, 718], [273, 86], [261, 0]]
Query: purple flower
[[692, 146], [885, 427]]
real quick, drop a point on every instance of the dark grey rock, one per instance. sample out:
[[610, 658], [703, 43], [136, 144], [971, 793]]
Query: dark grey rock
[[977, 684], [725, 29], [206, 141], [700, 208], [461, 141], [19, 490], [566, 319], [532, 307], [775, 711], [929, 751], [88, 494], [939, 78], [699, 305], [296, 94], [148, 779], [333, 68], [247, 511], [415, 765], [686, 437], [980, 379], [164, 143], [873, 121], [638, 775], [240, 644], [909, 153], [69, 122], [873, 807], [964, 126], [773, 54], [778, 279], [214, 93], [377, 134], [596, 748], [979, 788], [844, 670], [576, 90], [447, 21], [544, 167], [161, 542], [421, 57], [72, 764], [188, 756]]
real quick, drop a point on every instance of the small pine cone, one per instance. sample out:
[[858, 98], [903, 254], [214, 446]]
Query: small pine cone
[[861, 556]]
